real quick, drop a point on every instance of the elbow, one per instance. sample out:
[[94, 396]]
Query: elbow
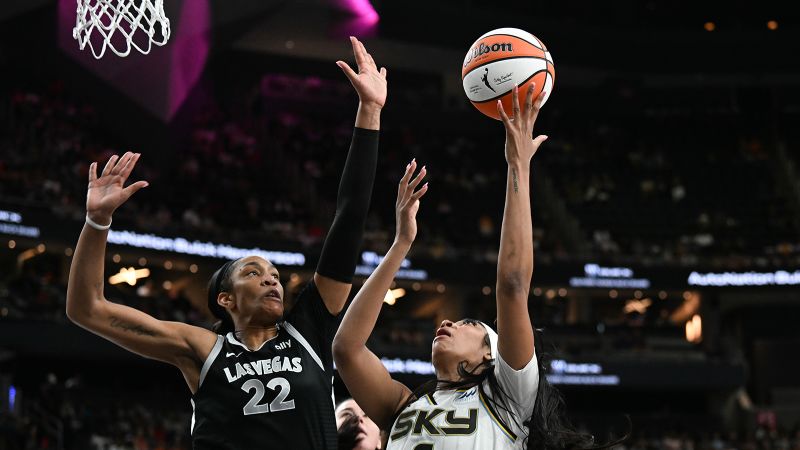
[[75, 315], [513, 285], [342, 352], [72, 313], [339, 350], [78, 313]]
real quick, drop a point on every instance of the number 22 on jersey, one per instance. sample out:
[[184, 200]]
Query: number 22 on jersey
[[278, 404]]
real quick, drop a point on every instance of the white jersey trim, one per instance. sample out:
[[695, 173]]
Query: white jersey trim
[[232, 339], [191, 428], [296, 334], [207, 365]]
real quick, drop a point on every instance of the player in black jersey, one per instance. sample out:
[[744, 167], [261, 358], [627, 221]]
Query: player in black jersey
[[263, 379]]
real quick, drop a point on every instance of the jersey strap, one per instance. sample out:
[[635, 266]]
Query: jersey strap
[[496, 417], [210, 360], [299, 337]]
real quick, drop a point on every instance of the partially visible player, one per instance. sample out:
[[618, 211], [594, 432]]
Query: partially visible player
[[263, 378], [489, 392], [356, 430]]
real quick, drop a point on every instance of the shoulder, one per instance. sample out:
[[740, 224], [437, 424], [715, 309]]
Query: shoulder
[[521, 385], [200, 340]]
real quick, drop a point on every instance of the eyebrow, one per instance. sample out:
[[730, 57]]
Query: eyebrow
[[258, 265], [252, 263], [350, 410]]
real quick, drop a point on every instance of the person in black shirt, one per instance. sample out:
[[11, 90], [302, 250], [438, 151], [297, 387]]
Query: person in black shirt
[[263, 377]]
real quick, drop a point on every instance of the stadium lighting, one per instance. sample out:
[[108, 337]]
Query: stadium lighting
[[392, 295], [129, 275], [694, 329], [639, 306]]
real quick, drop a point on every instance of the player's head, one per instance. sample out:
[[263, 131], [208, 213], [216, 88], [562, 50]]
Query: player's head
[[243, 292], [468, 345], [356, 431]]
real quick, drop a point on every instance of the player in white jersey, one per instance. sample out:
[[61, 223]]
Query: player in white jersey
[[487, 384]]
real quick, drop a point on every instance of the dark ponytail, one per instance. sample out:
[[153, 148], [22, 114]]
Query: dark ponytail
[[220, 282], [549, 427]]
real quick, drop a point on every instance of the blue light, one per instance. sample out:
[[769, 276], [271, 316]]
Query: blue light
[[12, 396]]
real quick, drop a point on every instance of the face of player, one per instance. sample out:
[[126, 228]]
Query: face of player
[[455, 342], [369, 436], [256, 296]]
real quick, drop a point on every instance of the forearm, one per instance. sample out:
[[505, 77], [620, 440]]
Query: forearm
[[361, 316], [85, 286], [515, 259], [342, 244], [368, 116]]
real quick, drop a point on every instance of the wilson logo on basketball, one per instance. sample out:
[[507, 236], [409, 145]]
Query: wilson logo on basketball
[[483, 49]]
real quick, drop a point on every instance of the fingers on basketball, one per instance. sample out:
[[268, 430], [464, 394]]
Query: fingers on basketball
[[502, 113]]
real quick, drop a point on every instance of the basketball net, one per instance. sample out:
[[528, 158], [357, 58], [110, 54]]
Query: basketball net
[[119, 24]]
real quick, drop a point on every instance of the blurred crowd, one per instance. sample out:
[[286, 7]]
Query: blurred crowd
[[643, 183], [762, 439], [69, 414], [66, 414]]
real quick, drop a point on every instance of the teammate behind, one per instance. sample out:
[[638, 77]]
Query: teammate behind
[[488, 392], [263, 378]]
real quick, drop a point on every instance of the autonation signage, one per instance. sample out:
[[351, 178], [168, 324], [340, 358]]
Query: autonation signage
[[11, 223], [777, 278], [561, 372], [209, 249], [408, 366], [564, 372], [597, 276], [370, 260]]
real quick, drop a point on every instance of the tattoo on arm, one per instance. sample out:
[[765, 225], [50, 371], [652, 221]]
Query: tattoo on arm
[[136, 329], [514, 180]]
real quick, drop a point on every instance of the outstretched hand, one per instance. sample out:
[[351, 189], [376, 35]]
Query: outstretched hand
[[408, 203], [107, 193], [519, 128], [369, 82]]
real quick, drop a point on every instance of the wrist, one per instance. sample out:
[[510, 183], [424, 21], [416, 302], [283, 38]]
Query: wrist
[[100, 222], [368, 116], [402, 242], [519, 164], [369, 107]]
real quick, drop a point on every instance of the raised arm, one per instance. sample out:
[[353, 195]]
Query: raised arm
[[179, 344], [362, 372], [515, 260], [334, 274]]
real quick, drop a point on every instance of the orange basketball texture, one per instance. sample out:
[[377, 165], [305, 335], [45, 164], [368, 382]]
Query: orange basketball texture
[[498, 60]]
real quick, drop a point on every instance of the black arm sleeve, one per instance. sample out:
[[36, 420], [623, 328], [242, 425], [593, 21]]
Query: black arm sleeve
[[340, 250]]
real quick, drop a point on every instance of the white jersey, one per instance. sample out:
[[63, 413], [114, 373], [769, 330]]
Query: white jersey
[[464, 419]]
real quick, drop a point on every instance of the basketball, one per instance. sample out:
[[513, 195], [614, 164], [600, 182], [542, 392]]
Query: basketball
[[500, 59]]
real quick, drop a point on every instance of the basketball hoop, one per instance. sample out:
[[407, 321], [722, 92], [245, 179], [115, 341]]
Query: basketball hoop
[[119, 24]]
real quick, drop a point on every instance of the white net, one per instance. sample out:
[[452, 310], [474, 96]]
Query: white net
[[120, 25]]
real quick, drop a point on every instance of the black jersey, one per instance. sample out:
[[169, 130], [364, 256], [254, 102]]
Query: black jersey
[[277, 397]]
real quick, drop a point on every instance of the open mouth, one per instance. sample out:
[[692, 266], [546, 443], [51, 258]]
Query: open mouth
[[442, 332], [274, 294]]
